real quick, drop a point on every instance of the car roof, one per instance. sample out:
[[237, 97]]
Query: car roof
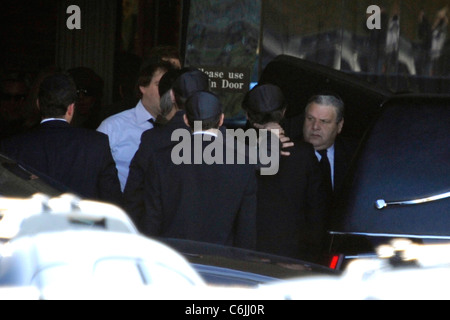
[[79, 252], [405, 156], [41, 213]]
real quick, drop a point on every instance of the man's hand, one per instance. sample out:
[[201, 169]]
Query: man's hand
[[279, 131]]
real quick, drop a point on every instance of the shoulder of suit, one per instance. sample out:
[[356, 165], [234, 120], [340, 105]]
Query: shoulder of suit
[[347, 144], [301, 147], [88, 134]]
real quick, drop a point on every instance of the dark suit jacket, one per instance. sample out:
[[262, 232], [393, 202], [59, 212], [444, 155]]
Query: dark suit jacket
[[211, 203], [78, 158], [344, 150], [292, 206], [151, 140]]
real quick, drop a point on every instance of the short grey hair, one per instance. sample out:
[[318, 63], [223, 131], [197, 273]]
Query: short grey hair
[[166, 103], [329, 100]]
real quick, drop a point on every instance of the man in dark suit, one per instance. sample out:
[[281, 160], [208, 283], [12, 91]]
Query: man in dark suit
[[324, 120], [78, 158], [174, 88], [201, 200], [291, 203]]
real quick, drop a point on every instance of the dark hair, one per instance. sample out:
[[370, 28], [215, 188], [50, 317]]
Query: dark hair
[[210, 123], [56, 93], [23, 78], [164, 51], [329, 100], [263, 118], [190, 80], [147, 73], [264, 103], [204, 106], [86, 79]]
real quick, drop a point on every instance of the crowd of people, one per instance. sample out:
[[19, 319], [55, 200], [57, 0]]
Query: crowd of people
[[127, 157]]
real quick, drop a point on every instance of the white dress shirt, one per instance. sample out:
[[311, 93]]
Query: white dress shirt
[[124, 131]]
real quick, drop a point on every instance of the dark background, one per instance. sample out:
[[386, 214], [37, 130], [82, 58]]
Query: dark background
[[29, 32]]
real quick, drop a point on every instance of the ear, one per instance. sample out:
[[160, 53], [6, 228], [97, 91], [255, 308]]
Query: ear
[[172, 96], [186, 120], [174, 101], [222, 117], [340, 126], [69, 113], [71, 110]]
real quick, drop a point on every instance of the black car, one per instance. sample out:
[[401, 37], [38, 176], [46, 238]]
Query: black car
[[301, 79], [218, 265], [399, 181], [399, 184], [230, 266]]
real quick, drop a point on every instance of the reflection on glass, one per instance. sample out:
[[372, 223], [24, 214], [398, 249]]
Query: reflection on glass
[[225, 34], [409, 52], [129, 24]]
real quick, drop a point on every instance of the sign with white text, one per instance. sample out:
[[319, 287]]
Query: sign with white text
[[226, 79]]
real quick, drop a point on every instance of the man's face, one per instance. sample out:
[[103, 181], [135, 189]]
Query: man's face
[[12, 97], [320, 127], [150, 93], [85, 102]]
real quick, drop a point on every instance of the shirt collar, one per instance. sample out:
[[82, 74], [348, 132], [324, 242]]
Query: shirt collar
[[330, 153], [205, 132], [53, 119], [142, 115]]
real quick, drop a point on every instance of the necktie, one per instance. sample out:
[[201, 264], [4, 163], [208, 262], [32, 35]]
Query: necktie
[[326, 170]]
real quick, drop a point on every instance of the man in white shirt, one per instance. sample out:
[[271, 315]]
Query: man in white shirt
[[125, 128]]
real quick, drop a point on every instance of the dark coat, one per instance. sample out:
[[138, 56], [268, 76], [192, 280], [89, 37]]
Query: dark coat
[[157, 138], [213, 203], [344, 151], [78, 158], [292, 206]]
